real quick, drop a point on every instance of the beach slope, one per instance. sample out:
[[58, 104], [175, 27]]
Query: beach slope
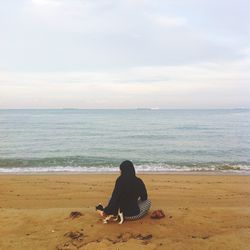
[[202, 212]]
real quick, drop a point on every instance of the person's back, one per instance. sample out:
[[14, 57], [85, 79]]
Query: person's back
[[128, 194], [130, 191]]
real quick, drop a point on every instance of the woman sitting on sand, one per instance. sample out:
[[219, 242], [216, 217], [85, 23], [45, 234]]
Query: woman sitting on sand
[[129, 195]]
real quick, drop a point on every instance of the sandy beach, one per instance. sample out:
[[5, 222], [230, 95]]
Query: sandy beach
[[202, 212]]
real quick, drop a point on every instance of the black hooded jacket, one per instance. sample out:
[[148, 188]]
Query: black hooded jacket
[[128, 189]]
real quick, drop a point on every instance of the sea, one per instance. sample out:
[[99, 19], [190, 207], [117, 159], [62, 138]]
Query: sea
[[98, 140]]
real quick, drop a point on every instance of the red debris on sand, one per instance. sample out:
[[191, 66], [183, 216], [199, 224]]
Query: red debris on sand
[[74, 235], [75, 214], [157, 214]]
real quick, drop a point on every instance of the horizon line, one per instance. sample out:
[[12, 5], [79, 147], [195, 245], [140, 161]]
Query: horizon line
[[138, 108]]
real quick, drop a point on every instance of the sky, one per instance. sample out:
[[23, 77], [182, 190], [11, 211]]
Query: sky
[[124, 54]]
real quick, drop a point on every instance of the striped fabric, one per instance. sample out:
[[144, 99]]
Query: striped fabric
[[144, 208]]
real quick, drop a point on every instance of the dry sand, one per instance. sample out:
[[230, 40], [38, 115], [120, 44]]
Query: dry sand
[[202, 212]]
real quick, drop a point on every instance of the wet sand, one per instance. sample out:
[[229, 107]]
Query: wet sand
[[202, 212]]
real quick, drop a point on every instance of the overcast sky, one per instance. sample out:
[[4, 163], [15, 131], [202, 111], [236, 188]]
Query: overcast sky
[[124, 54]]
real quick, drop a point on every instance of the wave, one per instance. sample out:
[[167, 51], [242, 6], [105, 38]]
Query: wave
[[98, 165]]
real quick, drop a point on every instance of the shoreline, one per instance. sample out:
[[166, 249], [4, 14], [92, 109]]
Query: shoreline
[[202, 173]]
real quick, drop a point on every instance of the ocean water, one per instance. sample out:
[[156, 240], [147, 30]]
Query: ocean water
[[98, 140]]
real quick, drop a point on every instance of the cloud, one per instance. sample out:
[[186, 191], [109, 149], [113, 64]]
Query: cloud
[[46, 2], [124, 53], [168, 21], [90, 35], [185, 86]]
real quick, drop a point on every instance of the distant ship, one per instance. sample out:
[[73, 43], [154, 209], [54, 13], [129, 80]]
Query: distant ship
[[70, 108], [143, 108], [147, 108]]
